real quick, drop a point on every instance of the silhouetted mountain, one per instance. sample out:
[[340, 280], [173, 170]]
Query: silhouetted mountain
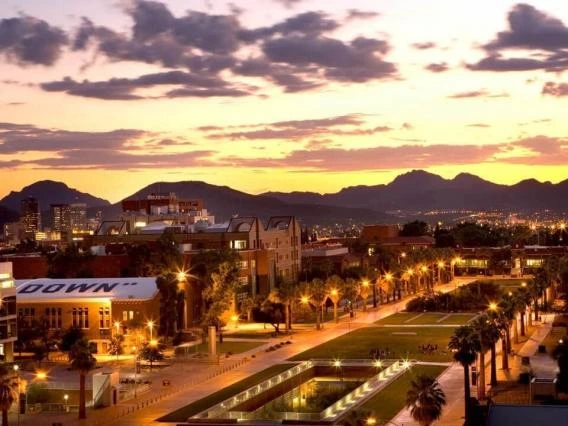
[[225, 202], [50, 192], [422, 191], [7, 215]]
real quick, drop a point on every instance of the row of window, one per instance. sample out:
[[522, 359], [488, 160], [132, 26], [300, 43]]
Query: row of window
[[79, 317]]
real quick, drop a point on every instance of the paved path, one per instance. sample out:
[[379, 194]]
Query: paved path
[[195, 385], [451, 380]]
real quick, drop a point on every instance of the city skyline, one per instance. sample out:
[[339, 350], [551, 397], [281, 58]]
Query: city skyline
[[268, 99]]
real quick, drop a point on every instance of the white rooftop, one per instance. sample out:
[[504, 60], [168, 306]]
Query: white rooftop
[[61, 290]]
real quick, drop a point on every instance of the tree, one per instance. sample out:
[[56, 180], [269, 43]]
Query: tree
[[335, 286], [115, 347], [318, 293], [83, 361], [273, 312], [8, 392], [425, 399], [70, 337], [523, 299], [220, 294], [560, 354], [417, 228], [466, 345], [152, 352], [71, 262], [247, 305], [488, 335], [287, 293], [171, 304]]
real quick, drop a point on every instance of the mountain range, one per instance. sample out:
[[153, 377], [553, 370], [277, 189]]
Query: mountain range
[[414, 192]]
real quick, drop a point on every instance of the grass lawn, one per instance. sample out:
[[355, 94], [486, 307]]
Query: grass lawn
[[457, 319], [226, 347], [358, 344], [398, 318], [198, 406], [428, 318], [387, 403]]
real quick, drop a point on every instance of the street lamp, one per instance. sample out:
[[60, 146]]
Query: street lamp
[[371, 421], [235, 319], [441, 266], [151, 327], [365, 294], [66, 399], [181, 276], [117, 326], [493, 306], [16, 368], [41, 375]]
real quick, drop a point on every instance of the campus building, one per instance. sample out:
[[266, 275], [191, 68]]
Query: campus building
[[100, 307], [8, 319]]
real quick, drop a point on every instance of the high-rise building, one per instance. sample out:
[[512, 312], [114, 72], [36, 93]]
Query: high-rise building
[[61, 216], [78, 214], [30, 216]]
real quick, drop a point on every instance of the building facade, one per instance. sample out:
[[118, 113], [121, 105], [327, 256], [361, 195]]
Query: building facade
[[8, 319], [100, 307]]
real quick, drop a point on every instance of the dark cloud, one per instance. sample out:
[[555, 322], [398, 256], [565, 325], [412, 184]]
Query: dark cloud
[[289, 3], [150, 18], [117, 149], [483, 93], [345, 125], [425, 45], [530, 28], [193, 85], [353, 14], [544, 36], [555, 89], [437, 67], [357, 61], [28, 40]]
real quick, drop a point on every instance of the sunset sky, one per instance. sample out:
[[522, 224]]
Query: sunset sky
[[263, 95]]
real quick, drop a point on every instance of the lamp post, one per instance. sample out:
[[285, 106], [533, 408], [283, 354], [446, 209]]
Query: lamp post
[[17, 371], [365, 293], [117, 326], [441, 266], [66, 399], [135, 368], [334, 296], [423, 270], [151, 327]]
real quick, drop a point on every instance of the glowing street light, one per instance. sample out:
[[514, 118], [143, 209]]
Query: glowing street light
[[337, 363], [378, 363], [371, 421], [235, 319], [153, 343], [523, 284], [66, 399], [181, 276], [117, 326], [304, 300], [493, 306], [41, 375], [151, 327]]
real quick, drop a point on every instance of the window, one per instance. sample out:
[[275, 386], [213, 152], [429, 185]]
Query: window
[[27, 315], [104, 317], [253, 263], [239, 244], [243, 264], [80, 317], [53, 318], [127, 315], [243, 280]]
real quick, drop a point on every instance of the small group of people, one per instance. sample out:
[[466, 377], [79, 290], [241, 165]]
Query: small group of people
[[427, 349], [380, 353]]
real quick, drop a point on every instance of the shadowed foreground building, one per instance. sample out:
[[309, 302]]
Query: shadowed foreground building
[[8, 320]]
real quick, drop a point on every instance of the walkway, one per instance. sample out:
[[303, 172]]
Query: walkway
[[193, 383], [451, 380]]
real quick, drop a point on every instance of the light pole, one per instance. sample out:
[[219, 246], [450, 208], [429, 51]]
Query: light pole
[[334, 296], [441, 266], [17, 371], [66, 399], [117, 326], [135, 368], [151, 327]]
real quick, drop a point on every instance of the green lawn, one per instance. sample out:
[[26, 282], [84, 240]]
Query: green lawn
[[457, 319], [226, 347], [398, 318], [428, 318], [198, 406], [387, 403], [358, 344]]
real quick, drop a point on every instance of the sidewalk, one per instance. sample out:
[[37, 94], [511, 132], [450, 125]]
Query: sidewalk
[[191, 382], [451, 380]]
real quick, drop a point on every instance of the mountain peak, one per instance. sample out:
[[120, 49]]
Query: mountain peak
[[420, 178]]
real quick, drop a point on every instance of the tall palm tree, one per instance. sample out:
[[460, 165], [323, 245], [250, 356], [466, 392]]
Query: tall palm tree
[[335, 286], [82, 360], [466, 345], [287, 293], [523, 299], [8, 392], [425, 399], [488, 336], [318, 293]]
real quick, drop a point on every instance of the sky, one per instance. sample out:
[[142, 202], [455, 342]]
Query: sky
[[280, 95]]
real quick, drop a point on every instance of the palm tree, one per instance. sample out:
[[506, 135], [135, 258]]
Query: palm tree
[[523, 299], [488, 336], [466, 345], [318, 295], [8, 392], [287, 293], [425, 399], [335, 286], [82, 360]]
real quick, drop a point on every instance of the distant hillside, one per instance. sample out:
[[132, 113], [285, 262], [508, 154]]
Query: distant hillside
[[422, 191], [225, 202]]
